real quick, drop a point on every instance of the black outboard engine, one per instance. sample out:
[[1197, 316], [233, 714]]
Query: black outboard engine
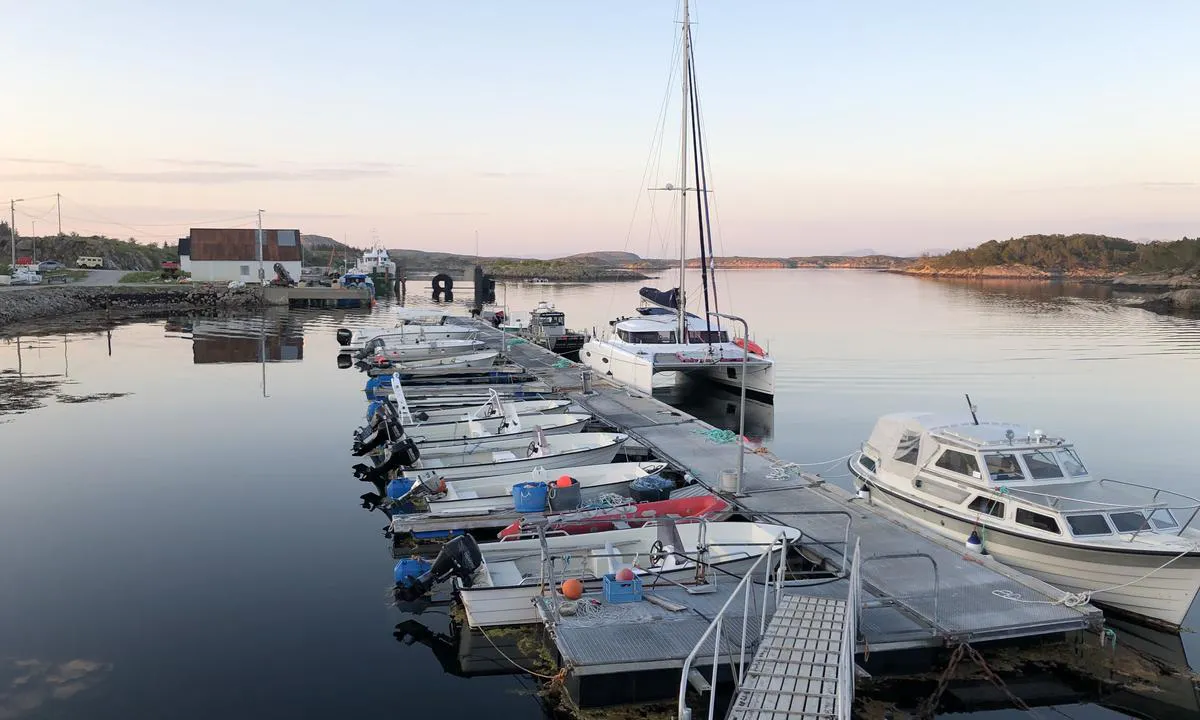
[[368, 442], [404, 453], [459, 558], [370, 348], [344, 361], [343, 336]]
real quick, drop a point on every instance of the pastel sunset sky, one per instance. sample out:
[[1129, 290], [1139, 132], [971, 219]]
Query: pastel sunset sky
[[898, 126]]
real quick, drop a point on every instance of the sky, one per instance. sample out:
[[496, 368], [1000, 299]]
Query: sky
[[831, 127]]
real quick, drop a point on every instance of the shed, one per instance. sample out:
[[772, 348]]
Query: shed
[[228, 254]]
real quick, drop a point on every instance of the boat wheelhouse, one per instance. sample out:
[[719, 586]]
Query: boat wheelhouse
[[1029, 500]]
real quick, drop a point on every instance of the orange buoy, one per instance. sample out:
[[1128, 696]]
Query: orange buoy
[[625, 574], [572, 589], [564, 481]]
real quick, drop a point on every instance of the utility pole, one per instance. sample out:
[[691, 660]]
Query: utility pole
[[12, 228], [58, 206], [261, 273], [33, 238]]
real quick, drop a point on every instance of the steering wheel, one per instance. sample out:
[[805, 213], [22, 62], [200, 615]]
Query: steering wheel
[[657, 553]]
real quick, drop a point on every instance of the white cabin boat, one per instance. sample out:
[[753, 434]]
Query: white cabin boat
[[502, 590], [639, 348], [376, 261], [1030, 501]]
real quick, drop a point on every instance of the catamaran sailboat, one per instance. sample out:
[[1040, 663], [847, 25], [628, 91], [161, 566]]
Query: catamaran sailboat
[[667, 338], [1028, 500]]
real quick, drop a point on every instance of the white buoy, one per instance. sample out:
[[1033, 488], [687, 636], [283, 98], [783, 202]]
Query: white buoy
[[974, 544]]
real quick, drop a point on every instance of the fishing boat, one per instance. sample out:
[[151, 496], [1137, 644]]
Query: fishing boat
[[474, 496], [376, 261], [548, 328], [502, 590], [493, 407], [353, 340], [1027, 499], [496, 456], [483, 359], [419, 349], [448, 394], [665, 337], [631, 514], [440, 434]]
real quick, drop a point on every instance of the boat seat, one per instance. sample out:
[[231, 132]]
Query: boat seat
[[504, 573], [502, 455]]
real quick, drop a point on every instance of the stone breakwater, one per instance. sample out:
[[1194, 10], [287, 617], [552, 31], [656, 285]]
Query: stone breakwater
[[40, 303]]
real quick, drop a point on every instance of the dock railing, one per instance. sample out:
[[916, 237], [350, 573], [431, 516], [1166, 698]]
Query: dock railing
[[847, 673], [744, 588]]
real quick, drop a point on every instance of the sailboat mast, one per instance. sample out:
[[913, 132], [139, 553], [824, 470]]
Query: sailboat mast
[[680, 303]]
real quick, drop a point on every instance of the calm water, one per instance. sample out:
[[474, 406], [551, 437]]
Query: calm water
[[180, 535]]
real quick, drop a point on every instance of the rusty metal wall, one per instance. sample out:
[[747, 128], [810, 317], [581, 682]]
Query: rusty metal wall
[[239, 244]]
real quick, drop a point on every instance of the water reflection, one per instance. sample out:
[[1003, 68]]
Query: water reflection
[[272, 337], [30, 687], [719, 407]]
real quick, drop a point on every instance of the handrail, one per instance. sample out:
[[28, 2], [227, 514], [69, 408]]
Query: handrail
[[684, 712], [816, 541], [846, 666]]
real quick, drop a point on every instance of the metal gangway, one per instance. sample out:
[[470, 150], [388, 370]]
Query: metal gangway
[[803, 666]]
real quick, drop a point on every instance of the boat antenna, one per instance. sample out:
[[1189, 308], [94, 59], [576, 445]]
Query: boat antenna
[[972, 408]]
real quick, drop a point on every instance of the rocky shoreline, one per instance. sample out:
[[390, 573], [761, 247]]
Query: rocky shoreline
[[41, 303]]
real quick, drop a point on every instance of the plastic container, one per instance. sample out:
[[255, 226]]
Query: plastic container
[[410, 569], [529, 497], [397, 487], [622, 591], [651, 488], [568, 497]]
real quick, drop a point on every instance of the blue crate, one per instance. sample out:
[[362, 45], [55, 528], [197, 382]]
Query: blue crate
[[622, 591]]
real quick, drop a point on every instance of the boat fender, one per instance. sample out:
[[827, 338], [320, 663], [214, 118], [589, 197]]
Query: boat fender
[[974, 544], [343, 336]]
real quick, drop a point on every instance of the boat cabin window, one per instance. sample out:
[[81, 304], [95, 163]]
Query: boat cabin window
[[959, 462], [1003, 467], [1042, 465], [707, 336], [551, 319], [653, 337], [908, 448], [1163, 520], [1037, 520], [1071, 462], [1129, 521], [990, 506], [867, 462], [1088, 525]]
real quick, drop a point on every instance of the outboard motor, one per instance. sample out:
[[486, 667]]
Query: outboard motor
[[403, 453], [370, 348], [343, 336], [459, 558], [344, 361], [385, 431]]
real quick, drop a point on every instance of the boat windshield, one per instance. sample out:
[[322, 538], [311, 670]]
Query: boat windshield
[[647, 338], [1042, 465], [1003, 467], [1071, 462]]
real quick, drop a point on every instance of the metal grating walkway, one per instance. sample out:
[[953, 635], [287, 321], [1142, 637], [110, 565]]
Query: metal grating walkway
[[795, 671]]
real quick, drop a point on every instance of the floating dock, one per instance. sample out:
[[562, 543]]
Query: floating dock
[[919, 592], [317, 296]]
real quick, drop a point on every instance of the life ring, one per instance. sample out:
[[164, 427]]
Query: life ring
[[752, 347]]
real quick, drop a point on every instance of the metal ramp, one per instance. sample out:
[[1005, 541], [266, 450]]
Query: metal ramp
[[794, 674]]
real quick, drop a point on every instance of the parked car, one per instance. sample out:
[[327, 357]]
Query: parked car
[[89, 261], [50, 265]]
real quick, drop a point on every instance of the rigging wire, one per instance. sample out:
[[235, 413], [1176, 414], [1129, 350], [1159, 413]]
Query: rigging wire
[[700, 188]]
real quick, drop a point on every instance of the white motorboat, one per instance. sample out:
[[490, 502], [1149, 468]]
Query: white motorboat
[[503, 456], [666, 338], [469, 360], [473, 496], [359, 338], [404, 352], [1028, 500], [503, 588], [376, 261], [438, 434], [488, 409]]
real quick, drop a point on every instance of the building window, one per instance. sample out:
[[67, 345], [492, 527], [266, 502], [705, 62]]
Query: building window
[[1037, 520], [245, 270], [984, 504], [285, 238], [908, 448], [959, 462]]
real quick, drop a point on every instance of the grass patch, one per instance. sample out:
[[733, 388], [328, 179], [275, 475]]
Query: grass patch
[[142, 276]]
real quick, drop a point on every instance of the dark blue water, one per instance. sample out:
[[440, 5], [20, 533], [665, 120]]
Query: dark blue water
[[181, 537]]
